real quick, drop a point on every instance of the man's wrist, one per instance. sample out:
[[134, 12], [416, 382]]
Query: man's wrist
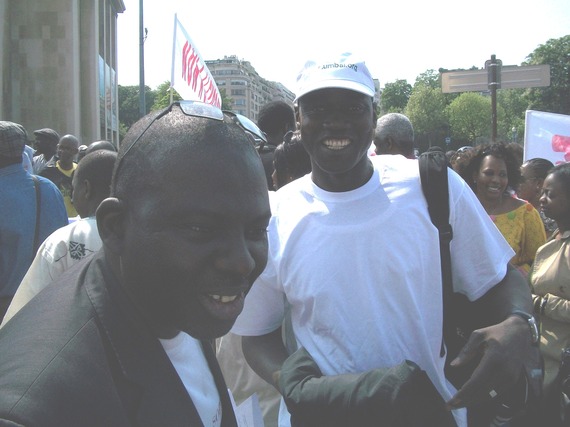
[[539, 304], [532, 325]]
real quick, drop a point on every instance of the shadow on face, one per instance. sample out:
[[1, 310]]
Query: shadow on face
[[191, 237]]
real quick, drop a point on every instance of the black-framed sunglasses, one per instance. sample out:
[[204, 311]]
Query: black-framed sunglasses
[[201, 109]]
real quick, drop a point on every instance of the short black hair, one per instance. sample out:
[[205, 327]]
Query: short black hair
[[276, 115], [291, 159], [562, 172], [101, 145], [539, 167], [164, 140], [97, 168]]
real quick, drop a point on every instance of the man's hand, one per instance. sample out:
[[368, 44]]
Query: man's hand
[[502, 351]]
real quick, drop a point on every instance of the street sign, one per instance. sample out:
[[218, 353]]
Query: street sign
[[511, 77], [464, 81]]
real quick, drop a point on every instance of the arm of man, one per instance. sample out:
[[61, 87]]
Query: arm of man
[[402, 395], [265, 354], [503, 349]]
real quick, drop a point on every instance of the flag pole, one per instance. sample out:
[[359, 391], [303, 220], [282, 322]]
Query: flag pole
[[142, 100], [173, 54]]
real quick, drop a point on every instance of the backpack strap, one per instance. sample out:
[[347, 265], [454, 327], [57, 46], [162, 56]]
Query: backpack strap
[[38, 215], [433, 176]]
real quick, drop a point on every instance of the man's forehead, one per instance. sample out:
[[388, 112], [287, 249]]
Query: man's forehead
[[68, 142]]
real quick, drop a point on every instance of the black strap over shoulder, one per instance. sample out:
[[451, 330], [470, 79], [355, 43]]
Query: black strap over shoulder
[[38, 215], [433, 175]]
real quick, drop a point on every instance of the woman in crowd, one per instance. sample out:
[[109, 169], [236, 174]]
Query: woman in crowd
[[493, 172], [533, 174], [550, 282]]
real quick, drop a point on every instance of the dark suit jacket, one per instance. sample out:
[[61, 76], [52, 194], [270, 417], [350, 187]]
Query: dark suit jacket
[[80, 355]]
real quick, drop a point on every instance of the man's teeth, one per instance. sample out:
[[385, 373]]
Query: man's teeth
[[223, 298], [336, 144]]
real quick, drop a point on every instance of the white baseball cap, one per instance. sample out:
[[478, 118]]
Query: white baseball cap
[[344, 72]]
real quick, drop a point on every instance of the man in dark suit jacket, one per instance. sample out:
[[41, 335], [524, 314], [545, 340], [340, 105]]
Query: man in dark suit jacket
[[124, 337]]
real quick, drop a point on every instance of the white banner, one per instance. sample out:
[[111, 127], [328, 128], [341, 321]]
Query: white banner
[[547, 135], [190, 75]]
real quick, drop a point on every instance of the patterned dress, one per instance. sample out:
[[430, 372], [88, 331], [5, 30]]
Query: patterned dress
[[524, 230]]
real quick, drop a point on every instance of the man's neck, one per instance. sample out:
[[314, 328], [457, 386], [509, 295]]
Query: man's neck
[[65, 166], [347, 181]]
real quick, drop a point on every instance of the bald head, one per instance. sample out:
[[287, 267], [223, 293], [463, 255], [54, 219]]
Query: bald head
[[92, 181], [177, 138], [67, 149], [100, 145], [394, 135]]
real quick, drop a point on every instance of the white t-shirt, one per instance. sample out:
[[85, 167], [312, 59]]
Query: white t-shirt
[[63, 248], [362, 273], [188, 359]]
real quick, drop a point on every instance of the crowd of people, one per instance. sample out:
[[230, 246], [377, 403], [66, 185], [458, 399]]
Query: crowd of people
[[292, 259]]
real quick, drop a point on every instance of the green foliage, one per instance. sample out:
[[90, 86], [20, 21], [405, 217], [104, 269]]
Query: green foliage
[[227, 101], [556, 97], [430, 78], [129, 104], [470, 117], [162, 96], [395, 97], [514, 104], [426, 110]]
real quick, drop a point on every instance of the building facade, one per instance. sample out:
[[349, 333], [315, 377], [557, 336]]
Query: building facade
[[58, 66], [247, 90]]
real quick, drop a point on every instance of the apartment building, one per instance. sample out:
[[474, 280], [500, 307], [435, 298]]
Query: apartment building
[[244, 86]]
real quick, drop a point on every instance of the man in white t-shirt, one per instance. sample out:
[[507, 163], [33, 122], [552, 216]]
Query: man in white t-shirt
[[353, 252]]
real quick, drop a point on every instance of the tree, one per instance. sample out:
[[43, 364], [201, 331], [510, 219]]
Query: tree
[[470, 117], [129, 104], [162, 96], [514, 104], [556, 97], [430, 78], [426, 111], [227, 101], [395, 97]]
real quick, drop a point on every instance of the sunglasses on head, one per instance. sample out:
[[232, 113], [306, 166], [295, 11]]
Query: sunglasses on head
[[208, 111]]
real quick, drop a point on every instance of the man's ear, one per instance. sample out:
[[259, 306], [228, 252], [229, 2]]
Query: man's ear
[[88, 193], [111, 223], [390, 145]]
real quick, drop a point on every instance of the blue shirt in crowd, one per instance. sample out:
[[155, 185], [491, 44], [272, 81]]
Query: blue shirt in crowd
[[18, 222]]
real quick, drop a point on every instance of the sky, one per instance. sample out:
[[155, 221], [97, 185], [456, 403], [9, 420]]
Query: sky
[[399, 39]]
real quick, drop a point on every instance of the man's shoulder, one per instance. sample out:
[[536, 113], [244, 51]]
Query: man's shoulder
[[78, 231], [50, 173], [63, 312], [59, 381]]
